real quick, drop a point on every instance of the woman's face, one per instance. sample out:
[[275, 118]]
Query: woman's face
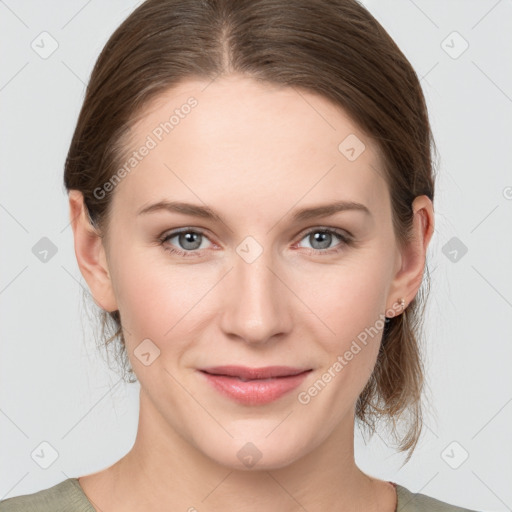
[[253, 282]]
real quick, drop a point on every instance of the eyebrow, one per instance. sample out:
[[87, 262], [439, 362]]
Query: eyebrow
[[205, 212]]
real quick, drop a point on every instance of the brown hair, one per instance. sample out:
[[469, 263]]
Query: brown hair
[[334, 48]]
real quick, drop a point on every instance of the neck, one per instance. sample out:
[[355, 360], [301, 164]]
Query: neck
[[164, 468]]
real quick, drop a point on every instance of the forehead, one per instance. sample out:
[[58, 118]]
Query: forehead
[[239, 139]]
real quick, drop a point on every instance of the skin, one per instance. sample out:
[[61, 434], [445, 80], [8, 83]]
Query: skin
[[254, 153]]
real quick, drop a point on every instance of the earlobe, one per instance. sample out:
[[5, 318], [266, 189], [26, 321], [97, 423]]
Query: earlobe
[[90, 253], [408, 278]]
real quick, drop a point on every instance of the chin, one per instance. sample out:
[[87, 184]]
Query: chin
[[260, 452]]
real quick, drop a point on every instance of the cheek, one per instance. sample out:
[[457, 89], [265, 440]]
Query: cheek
[[351, 304], [156, 300], [160, 301], [352, 297], [143, 293]]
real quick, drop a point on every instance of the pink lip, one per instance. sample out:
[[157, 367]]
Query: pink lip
[[254, 386]]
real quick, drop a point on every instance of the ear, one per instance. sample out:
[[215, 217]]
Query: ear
[[411, 259], [90, 253]]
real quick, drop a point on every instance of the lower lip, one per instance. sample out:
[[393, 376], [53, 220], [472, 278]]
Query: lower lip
[[255, 392]]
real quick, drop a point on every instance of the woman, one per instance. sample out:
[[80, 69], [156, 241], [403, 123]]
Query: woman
[[250, 188]]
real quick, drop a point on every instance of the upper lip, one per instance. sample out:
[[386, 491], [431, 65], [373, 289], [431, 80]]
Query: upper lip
[[245, 372]]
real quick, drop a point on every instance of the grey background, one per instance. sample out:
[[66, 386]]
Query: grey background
[[55, 387]]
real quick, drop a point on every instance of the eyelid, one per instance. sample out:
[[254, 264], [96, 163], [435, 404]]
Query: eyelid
[[345, 236], [339, 231], [346, 240], [175, 232]]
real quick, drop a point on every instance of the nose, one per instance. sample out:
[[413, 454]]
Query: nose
[[255, 304]]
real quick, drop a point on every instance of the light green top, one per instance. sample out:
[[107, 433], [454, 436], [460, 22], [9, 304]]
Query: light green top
[[68, 496]]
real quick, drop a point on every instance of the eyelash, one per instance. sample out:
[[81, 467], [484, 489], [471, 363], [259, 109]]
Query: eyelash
[[346, 240]]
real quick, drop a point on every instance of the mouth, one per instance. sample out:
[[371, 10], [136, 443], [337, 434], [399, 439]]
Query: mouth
[[254, 386], [245, 373]]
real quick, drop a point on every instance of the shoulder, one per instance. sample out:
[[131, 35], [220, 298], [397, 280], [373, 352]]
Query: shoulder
[[66, 496], [416, 502]]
